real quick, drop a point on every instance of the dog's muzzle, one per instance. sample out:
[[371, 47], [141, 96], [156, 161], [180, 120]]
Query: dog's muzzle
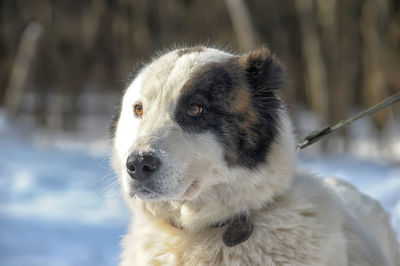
[[141, 166]]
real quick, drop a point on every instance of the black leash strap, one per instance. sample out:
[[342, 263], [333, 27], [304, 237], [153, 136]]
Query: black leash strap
[[319, 134]]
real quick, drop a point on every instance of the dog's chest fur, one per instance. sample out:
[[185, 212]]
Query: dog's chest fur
[[285, 233]]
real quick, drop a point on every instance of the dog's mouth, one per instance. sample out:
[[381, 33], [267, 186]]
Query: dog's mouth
[[143, 193], [147, 193]]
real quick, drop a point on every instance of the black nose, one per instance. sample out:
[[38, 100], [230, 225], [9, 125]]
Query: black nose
[[141, 166]]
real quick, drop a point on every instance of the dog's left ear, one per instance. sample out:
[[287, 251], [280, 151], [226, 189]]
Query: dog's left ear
[[263, 72]]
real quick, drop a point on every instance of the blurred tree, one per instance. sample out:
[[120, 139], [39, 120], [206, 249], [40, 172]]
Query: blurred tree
[[339, 54]]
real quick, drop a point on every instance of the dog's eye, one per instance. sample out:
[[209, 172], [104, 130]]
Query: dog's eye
[[138, 109], [194, 110]]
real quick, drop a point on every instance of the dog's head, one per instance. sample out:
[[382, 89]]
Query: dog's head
[[199, 118]]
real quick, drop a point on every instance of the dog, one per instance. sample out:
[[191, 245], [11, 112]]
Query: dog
[[205, 154]]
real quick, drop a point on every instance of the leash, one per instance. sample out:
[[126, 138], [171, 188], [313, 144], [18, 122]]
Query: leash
[[319, 134]]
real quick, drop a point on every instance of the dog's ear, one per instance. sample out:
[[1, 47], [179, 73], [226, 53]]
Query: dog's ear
[[263, 72], [264, 76]]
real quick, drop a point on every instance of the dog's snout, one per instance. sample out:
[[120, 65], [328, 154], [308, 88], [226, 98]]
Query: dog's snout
[[141, 166]]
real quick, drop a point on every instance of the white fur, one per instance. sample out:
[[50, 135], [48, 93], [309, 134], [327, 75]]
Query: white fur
[[298, 219]]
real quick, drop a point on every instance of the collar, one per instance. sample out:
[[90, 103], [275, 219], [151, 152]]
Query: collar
[[238, 229]]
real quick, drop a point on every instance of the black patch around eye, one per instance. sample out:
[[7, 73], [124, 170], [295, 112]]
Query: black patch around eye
[[218, 85], [210, 88]]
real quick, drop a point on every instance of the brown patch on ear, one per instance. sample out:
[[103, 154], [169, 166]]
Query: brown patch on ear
[[243, 104], [195, 49]]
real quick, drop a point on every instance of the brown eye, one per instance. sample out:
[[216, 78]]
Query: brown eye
[[194, 110], [138, 109]]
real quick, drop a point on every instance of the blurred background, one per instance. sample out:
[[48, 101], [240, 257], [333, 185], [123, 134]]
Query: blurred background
[[63, 66]]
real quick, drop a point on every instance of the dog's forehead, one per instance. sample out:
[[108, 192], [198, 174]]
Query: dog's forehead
[[165, 77]]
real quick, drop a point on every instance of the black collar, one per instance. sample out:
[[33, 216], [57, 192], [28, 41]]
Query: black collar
[[239, 230]]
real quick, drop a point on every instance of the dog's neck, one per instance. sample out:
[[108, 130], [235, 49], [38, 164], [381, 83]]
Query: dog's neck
[[217, 206], [224, 202]]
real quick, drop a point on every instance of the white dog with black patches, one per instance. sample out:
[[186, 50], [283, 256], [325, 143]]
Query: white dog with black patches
[[204, 150]]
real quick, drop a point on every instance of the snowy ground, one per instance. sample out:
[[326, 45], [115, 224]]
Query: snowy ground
[[60, 205]]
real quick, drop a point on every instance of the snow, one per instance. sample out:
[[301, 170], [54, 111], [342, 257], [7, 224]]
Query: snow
[[60, 202], [58, 207]]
